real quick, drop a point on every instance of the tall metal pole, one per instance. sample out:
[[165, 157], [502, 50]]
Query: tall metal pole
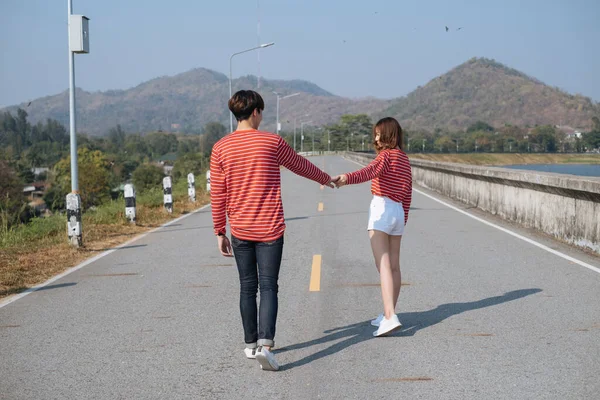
[[230, 74], [277, 127], [73, 134], [294, 134], [258, 40], [230, 94], [302, 134]]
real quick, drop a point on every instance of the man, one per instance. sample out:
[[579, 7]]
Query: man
[[246, 187]]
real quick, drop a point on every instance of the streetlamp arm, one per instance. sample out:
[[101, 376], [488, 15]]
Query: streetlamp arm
[[262, 46]]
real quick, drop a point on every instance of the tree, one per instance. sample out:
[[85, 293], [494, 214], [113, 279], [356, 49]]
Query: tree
[[161, 143], [355, 127], [194, 163], [94, 176], [13, 204], [444, 144], [592, 139], [545, 137], [480, 126], [135, 145], [595, 124], [147, 176], [213, 131], [116, 136]]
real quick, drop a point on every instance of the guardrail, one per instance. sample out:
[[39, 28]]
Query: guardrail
[[564, 206]]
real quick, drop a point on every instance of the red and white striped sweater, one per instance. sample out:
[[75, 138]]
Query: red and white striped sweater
[[391, 175], [245, 183]]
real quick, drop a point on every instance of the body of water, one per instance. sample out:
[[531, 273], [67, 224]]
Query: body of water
[[592, 170]]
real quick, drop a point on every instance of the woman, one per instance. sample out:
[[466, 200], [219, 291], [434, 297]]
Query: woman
[[388, 213]]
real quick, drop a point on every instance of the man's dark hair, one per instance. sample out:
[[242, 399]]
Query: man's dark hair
[[243, 103]]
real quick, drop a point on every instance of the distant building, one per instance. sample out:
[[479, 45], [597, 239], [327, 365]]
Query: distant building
[[34, 190], [40, 170]]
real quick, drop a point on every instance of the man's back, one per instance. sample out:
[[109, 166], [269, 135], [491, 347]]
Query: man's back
[[246, 183], [251, 184]]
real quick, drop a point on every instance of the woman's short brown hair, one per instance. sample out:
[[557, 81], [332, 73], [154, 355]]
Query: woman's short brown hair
[[390, 134], [243, 103]]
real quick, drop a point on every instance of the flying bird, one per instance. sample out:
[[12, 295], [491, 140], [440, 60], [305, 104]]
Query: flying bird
[[459, 28], [29, 104], [447, 29]]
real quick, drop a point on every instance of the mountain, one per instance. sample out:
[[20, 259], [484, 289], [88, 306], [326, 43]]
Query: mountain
[[479, 89], [485, 90], [186, 102]]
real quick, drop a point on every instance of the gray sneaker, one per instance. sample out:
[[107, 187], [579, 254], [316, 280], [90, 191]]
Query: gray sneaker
[[266, 359]]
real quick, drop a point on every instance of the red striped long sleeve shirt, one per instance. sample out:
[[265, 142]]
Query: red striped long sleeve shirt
[[245, 183], [391, 174]]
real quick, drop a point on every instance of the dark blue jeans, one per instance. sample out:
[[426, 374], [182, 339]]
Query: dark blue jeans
[[258, 264]]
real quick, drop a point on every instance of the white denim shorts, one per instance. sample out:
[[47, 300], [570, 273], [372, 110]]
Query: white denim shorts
[[386, 215]]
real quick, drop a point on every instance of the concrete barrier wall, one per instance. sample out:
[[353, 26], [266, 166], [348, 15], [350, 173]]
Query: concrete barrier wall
[[564, 206]]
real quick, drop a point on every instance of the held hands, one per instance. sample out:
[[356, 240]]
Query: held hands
[[332, 183], [225, 246], [340, 180]]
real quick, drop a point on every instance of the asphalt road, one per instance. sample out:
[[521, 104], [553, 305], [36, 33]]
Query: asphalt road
[[486, 315]]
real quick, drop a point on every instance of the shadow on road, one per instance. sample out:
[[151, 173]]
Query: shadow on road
[[21, 289], [167, 230], [133, 246], [412, 323]]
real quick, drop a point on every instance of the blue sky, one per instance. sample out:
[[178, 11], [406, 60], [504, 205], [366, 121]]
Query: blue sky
[[390, 48]]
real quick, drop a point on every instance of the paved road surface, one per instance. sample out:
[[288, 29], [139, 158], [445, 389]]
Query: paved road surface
[[486, 315]]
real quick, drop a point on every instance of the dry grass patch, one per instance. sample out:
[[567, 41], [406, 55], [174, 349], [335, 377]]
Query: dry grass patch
[[32, 258]]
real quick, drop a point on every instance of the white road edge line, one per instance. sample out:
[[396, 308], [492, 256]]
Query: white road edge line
[[530, 241], [91, 260]]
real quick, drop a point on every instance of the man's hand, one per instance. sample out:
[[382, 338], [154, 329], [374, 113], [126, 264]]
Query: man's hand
[[225, 246], [340, 180], [333, 182]]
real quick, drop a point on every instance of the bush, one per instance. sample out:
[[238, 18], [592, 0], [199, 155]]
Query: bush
[[147, 177]]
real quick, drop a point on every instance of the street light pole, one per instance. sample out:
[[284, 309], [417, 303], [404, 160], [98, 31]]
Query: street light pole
[[73, 134], [78, 34], [277, 126], [302, 134], [278, 99], [262, 46], [313, 139]]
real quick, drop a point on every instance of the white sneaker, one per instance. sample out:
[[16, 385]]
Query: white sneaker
[[387, 326], [250, 353], [266, 359], [377, 320]]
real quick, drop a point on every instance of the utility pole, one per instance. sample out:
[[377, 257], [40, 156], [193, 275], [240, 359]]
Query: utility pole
[[79, 42]]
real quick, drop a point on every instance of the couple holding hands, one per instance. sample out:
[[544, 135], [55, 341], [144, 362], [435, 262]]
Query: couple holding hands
[[246, 188]]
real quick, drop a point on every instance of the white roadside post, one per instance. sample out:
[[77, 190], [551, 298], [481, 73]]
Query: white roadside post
[[208, 181], [191, 187], [168, 195], [79, 42], [74, 219], [130, 203]]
